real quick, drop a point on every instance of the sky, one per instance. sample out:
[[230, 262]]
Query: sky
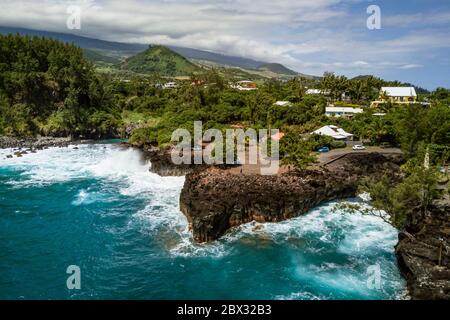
[[309, 36]]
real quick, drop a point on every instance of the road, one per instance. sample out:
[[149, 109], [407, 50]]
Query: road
[[323, 159]]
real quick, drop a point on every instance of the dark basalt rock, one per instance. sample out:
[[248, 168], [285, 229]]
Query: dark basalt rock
[[214, 200], [161, 164], [33, 143], [423, 253]]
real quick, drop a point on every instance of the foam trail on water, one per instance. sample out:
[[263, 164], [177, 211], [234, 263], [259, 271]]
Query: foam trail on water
[[328, 248], [127, 167]]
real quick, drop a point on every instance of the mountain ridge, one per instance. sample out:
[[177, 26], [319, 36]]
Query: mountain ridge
[[105, 50], [277, 68]]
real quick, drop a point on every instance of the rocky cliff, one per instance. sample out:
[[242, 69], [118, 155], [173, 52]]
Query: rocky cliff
[[214, 200], [423, 253], [161, 164]]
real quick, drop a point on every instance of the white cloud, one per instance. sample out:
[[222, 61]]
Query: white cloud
[[418, 19], [310, 36], [411, 66]]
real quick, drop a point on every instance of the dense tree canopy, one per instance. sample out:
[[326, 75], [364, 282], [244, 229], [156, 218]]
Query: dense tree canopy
[[47, 87]]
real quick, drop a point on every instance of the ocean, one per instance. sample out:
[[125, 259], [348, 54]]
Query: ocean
[[99, 208]]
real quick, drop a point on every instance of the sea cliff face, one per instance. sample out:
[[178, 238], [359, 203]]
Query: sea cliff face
[[161, 164], [423, 253], [214, 200]]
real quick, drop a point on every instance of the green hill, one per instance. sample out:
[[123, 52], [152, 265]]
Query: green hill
[[160, 60]]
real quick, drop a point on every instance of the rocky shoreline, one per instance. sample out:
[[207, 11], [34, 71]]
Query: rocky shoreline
[[161, 162], [423, 253], [34, 143], [23, 146], [214, 200]]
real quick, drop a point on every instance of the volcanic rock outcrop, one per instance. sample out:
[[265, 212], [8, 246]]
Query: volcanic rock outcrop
[[423, 253], [215, 200]]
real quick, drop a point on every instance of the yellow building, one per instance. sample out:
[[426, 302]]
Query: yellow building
[[396, 95]]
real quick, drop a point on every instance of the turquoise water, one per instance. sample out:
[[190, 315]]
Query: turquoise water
[[98, 207]]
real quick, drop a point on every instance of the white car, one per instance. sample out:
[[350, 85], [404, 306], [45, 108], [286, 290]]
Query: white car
[[358, 147]]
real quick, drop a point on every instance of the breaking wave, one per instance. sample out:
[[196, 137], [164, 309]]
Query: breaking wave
[[326, 251]]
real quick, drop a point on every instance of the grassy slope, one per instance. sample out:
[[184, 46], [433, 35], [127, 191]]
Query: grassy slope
[[162, 61]]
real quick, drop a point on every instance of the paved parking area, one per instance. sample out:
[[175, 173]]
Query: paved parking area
[[327, 157]]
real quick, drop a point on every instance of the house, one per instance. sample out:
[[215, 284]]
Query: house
[[317, 92], [198, 82], [396, 95], [313, 91], [245, 85], [334, 132], [170, 85], [278, 136], [346, 112], [283, 103]]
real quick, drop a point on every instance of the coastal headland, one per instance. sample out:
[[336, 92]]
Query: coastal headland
[[215, 200]]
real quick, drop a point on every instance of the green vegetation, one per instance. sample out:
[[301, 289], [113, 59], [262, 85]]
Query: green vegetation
[[47, 87], [413, 195], [99, 58], [297, 151], [160, 60], [422, 133]]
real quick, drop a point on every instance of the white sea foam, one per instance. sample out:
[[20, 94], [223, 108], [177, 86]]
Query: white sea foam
[[298, 296], [347, 233], [162, 215], [359, 232], [55, 165], [358, 238]]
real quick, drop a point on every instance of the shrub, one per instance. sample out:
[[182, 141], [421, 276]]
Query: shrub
[[144, 136]]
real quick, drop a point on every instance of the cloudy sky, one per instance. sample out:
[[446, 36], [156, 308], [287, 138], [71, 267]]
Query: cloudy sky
[[310, 36]]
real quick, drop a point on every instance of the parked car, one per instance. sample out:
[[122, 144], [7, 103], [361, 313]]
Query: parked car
[[358, 147], [324, 149], [444, 169]]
